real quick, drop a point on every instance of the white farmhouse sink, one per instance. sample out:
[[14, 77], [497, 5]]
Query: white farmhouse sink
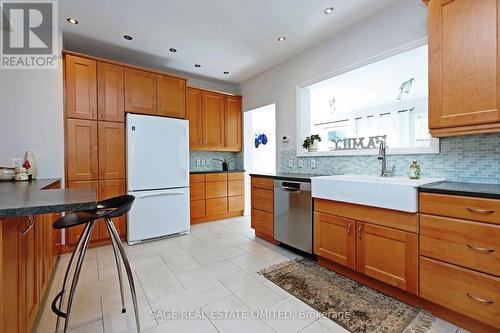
[[398, 193]]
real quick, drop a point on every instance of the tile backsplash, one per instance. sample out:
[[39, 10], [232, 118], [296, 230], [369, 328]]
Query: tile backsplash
[[474, 158], [210, 164]]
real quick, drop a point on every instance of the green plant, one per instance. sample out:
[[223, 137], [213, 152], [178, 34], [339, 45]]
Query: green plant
[[309, 140]]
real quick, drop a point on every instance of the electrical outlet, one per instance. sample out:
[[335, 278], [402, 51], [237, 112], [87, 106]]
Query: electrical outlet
[[301, 163], [198, 162], [290, 163], [313, 164]]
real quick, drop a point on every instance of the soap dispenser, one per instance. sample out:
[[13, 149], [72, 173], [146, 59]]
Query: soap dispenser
[[414, 170]]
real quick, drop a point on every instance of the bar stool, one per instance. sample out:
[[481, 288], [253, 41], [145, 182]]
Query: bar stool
[[106, 210]]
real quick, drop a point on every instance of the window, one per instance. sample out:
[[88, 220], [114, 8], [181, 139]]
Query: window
[[385, 99]]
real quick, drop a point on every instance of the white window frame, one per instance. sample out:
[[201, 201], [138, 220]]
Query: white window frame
[[433, 148]]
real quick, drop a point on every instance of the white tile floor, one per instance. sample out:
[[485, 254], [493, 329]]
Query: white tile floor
[[209, 275]]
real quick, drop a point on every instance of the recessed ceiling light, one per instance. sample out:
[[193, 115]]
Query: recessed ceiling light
[[72, 20], [329, 10], [281, 39], [197, 65], [127, 37], [226, 73], [173, 50]]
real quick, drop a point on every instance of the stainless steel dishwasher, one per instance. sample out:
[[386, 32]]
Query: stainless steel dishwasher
[[293, 214]]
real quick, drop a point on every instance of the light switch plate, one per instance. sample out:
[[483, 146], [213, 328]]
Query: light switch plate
[[290, 163], [203, 162], [301, 163], [198, 162], [313, 164]]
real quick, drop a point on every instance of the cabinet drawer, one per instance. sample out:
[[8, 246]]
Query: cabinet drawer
[[237, 203], [236, 176], [197, 178], [235, 187], [266, 183], [215, 177], [263, 199], [477, 209], [470, 244], [263, 222], [197, 191], [470, 293], [216, 190], [216, 206], [197, 208]]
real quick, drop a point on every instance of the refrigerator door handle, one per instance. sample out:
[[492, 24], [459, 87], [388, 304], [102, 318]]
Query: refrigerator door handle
[[157, 194]]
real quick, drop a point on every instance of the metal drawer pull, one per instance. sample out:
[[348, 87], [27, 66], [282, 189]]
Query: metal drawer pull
[[480, 300], [480, 249], [32, 222], [480, 211]]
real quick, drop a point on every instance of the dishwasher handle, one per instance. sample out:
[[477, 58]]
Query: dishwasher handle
[[289, 189]]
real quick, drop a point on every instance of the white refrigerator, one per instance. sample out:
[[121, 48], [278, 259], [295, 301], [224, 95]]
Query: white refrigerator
[[158, 177]]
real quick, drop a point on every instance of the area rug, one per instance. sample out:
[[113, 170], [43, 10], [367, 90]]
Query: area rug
[[355, 307]]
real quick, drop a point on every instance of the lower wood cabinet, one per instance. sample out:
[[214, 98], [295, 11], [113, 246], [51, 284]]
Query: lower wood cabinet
[[262, 223], [262, 193], [214, 196]]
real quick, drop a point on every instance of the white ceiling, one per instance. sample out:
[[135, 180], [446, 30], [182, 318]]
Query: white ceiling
[[239, 36]]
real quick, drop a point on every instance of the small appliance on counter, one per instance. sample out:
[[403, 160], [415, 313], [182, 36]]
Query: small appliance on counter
[[7, 173]]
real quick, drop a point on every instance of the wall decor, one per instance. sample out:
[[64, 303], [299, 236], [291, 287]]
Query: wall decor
[[358, 143], [260, 139]]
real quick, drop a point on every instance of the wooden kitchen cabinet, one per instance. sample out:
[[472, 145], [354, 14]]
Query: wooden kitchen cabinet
[[109, 189], [335, 239], [140, 92], [233, 123], [110, 85], [81, 87], [464, 67], [111, 150], [171, 96], [194, 109], [213, 120], [73, 234], [388, 255], [81, 149]]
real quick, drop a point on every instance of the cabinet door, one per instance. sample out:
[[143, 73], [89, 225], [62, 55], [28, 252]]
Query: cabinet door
[[109, 189], [171, 96], [213, 120], [81, 149], [232, 125], [29, 264], [111, 150], [73, 234], [44, 250], [335, 239], [140, 91], [110, 92], [388, 255], [81, 87], [463, 63], [195, 118]]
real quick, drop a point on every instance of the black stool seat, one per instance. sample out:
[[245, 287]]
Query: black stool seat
[[74, 219], [114, 207]]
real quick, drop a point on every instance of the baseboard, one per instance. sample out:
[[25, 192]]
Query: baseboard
[[213, 218]]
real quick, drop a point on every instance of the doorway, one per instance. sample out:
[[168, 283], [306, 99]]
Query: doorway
[[260, 145]]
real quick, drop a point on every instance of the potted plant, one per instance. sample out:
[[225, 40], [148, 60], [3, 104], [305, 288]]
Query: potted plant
[[225, 162], [311, 142]]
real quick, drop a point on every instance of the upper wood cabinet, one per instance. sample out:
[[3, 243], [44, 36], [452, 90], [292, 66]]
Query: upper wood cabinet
[[464, 67], [140, 91], [194, 110], [81, 149], [81, 87], [335, 239], [233, 123], [171, 96], [110, 85], [388, 255], [213, 120], [111, 150]]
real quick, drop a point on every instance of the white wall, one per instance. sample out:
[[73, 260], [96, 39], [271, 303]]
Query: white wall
[[31, 118], [399, 24]]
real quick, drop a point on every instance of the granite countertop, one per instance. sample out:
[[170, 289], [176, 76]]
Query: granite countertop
[[29, 198], [299, 177], [491, 191], [217, 171]]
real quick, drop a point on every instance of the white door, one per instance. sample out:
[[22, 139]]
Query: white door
[[157, 214], [157, 152]]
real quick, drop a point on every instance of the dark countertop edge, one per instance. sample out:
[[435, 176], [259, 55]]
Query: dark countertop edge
[[215, 171], [434, 188], [35, 210], [284, 176]]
